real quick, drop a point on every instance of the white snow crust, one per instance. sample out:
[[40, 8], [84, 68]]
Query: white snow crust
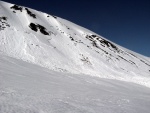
[[28, 88], [68, 47], [51, 65]]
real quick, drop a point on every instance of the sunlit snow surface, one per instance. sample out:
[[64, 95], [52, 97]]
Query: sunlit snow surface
[[50, 65], [62, 46], [27, 88]]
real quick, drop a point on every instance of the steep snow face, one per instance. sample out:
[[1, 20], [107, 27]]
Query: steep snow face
[[60, 45]]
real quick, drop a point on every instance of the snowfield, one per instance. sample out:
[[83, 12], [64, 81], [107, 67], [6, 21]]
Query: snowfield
[[51, 65], [28, 88], [62, 46]]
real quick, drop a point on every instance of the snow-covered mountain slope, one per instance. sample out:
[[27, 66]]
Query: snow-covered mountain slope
[[28, 88], [149, 58], [60, 45]]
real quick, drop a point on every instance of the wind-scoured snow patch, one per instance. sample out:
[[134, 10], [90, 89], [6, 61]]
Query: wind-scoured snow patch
[[30, 13], [37, 27], [16, 7], [3, 23]]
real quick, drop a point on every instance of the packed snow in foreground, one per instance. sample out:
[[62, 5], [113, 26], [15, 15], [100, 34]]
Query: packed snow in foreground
[[28, 88]]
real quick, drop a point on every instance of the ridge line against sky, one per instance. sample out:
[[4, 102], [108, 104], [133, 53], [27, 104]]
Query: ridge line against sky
[[124, 22]]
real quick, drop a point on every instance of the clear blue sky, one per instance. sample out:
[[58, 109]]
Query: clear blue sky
[[125, 22]]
